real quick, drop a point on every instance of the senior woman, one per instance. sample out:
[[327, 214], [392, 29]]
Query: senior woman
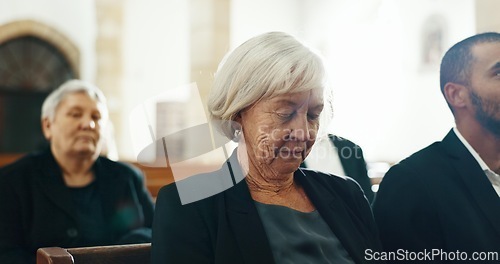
[[67, 195], [269, 93]]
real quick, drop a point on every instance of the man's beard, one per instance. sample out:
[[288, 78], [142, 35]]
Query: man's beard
[[487, 111]]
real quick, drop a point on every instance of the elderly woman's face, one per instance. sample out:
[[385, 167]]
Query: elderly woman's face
[[76, 128], [279, 132]]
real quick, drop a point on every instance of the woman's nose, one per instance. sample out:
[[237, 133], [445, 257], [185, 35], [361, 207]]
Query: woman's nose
[[88, 123], [301, 130]]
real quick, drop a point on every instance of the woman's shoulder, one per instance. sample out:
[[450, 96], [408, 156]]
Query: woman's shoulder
[[342, 185], [199, 190], [326, 178], [24, 164], [172, 206], [121, 167], [22, 173]]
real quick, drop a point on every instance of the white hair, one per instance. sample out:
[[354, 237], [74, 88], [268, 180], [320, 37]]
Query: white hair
[[52, 101], [264, 66]]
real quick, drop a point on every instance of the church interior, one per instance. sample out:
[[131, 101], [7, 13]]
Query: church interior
[[155, 61]]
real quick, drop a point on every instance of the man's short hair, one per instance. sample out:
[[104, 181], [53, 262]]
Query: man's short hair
[[456, 63]]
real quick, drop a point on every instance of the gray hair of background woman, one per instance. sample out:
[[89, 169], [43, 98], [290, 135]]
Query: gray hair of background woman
[[52, 101], [265, 66]]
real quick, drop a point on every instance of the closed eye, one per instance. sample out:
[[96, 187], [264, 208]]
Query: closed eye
[[285, 115], [313, 117], [75, 114], [96, 117]]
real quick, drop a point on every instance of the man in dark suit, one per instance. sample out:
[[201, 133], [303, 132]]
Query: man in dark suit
[[444, 199], [340, 156]]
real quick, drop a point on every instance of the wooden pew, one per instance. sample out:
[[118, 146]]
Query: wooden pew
[[122, 254], [9, 158], [155, 178]]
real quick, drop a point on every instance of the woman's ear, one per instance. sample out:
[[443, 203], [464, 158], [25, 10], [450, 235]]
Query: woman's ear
[[46, 128], [237, 117], [456, 95]]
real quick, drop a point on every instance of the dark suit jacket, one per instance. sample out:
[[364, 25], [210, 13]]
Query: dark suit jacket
[[438, 198], [353, 163], [226, 227], [37, 209]]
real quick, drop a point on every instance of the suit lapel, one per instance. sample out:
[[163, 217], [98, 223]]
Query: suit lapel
[[246, 225], [336, 214], [108, 185], [347, 164], [113, 187], [244, 220], [474, 178], [52, 184]]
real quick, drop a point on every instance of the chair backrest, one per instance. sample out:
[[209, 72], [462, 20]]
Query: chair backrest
[[123, 254]]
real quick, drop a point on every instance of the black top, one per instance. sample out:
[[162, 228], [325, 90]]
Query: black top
[[38, 210], [87, 201], [226, 227], [298, 237]]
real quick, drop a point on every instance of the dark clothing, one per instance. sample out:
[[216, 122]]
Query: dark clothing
[[226, 227], [305, 238], [353, 162], [39, 210], [89, 213], [439, 198]]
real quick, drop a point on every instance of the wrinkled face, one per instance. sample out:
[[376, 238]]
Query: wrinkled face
[[485, 85], [76, 128], [280, 131]]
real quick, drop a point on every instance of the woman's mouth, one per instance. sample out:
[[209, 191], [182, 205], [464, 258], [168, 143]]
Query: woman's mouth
[[291, 152], [85, 138]]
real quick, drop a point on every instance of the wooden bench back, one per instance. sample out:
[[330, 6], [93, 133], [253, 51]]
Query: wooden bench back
[[118, 254], [155, 177]]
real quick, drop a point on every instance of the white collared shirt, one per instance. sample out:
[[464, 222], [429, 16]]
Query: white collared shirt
[[492, 176]]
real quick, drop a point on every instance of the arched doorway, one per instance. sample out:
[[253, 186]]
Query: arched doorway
[[30, 68]]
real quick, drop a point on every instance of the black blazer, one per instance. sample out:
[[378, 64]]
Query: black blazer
[[353, 163], [438, 198], [226, 227], [37, 209]]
